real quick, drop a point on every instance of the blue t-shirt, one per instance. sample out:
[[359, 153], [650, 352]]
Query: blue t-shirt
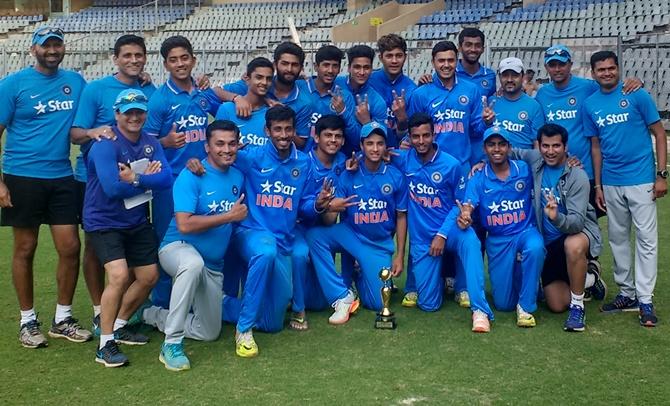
[[96, 108], [621, 123], [212, 193], [170, 105], [276, 191], [521, 118], [381, 194], [252, 129], [550, 179], [321, 173], [298, 100], [376, 105], [564, 107], [434, 186], [385, 87], [37, 111], [103, 202], [505, 207], [484, 78], [456, 113], [321, 107]]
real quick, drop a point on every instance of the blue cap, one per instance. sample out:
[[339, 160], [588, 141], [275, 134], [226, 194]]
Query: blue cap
[[131, 99], [558, 52], [496, 130], [372, 127], [42, 34]]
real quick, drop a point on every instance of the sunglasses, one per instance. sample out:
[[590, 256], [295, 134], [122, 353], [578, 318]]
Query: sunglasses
[[557, 52], [49, 30], [133, 97]]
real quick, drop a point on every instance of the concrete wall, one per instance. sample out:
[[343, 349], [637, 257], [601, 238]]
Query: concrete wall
[[76, 5], [409, 15]]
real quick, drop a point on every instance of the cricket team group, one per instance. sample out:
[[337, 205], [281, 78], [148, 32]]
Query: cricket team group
[[191, 222]]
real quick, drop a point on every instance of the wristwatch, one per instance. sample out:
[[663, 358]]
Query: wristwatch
[[136, 181], [663, 173]]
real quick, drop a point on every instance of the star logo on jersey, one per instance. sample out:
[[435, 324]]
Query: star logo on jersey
[[523, 115], [463, 99], [387, 189], [485, 83], [436, 177], [212, 207], [148, 150], [412, 186], [519, 185], [600, 121], [623, 103], [266, 186], [41, 108], [295, 172], [362, 205], [181, 123], [572, 101], [497, 123], [439, 115], [67, 89], [550, 116], [494, 207]]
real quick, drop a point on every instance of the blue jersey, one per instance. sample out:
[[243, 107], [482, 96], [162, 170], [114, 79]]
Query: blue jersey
[[550, 178], [521, 118], [276, 191], [321, 107], [298, 100], [621, 124], [434, 186], [456, 113], [252, 129], [385, 87], [376, 105], [103, 202], [96, 108], [170, 105], [564, 107], [484, 79], [320, 172], [213, 193], [381, 194], [505, 207], [37, 111]]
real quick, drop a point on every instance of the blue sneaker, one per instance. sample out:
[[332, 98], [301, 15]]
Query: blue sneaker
[[647, 315], [110, 355], [137, 318], [620, 303], [173, 357], [96, 326], [576, 319]]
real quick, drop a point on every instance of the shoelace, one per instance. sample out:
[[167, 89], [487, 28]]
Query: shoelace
[[112, 348], [575, 314], [33, 327], [646, 308], [176, 350], [621, 301]]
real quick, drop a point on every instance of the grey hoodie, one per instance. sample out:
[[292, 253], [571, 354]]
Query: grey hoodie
[[573, 188]]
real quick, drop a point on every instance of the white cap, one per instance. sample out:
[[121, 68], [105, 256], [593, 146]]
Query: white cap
[[511, 63]]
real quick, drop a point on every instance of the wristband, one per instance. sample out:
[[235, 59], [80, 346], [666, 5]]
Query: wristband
[[597, 187]]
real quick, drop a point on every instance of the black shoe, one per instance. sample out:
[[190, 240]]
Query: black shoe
[[124, 336], [110, 355]]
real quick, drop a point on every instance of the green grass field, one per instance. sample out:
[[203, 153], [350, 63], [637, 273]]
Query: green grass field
[[430, 359]]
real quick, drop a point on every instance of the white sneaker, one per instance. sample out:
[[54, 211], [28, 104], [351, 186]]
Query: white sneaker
[[343, 308]]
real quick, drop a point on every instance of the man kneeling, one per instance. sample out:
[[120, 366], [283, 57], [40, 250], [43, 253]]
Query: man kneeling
[[195, 243]]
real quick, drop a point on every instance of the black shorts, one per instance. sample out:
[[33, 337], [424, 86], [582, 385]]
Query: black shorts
[[592, 200], [40, 201], [138, 245], [81, 191], [555, 263]]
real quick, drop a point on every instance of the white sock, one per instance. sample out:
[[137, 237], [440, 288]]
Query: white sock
[[577, 300], [590, 280], [62, 312], [118, 323], [96, 310], [104, 338], [27, 315]]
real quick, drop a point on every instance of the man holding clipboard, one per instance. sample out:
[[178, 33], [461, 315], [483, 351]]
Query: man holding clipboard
[[122, 173]]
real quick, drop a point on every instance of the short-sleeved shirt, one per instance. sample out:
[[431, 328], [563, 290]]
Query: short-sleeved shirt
[[96, 108], [380, 81], [484, 78], [37, 111], [215, 192], [621, 123], [521, 118], [252, 128], [550, 178]]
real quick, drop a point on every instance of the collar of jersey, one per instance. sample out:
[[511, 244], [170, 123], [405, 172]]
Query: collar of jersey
[[272, 151], [311, 86], [319, 165], [365, 172], [364, 89], [513, 171], [437, 82], [291, 96], [416, 156], [136, 84], [481, 72], [617, 90], [176, 90]]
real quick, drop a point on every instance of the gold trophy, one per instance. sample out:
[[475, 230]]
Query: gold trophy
[[385, 319]]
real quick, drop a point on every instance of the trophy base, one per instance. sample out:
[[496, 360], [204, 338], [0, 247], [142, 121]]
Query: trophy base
[[385, 322]]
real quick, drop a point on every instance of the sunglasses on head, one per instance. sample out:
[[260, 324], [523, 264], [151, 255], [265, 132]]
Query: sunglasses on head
[[133, 97], [49, 30], [557, 52]]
